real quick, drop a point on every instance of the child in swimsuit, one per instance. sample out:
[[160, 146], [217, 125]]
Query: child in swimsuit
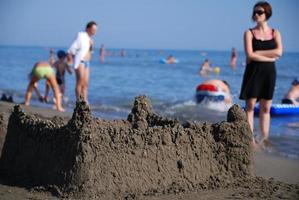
[[60, 65], [43, 70]]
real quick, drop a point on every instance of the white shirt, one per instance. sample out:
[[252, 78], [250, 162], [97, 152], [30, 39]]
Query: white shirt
[[80, 47]]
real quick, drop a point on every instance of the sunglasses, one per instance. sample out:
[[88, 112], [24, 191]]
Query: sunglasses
[[259, 12]]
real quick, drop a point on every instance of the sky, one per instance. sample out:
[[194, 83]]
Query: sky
[[143, 24]]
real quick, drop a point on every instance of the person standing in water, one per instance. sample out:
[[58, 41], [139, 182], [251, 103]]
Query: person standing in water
[[205, 68], [102, 53], [81, 50], [263, 46], [122, 53], [233, 59]]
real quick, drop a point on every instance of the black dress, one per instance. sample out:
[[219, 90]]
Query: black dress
[[259, 77]]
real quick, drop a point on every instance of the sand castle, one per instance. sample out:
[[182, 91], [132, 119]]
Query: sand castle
[[143, 155]]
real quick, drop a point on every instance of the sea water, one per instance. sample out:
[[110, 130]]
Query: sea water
[[171, 88]]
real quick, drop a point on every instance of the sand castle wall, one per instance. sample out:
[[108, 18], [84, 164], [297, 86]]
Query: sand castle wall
[[144, 154], [2, 131]]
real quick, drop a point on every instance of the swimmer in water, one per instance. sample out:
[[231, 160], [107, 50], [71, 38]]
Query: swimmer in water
[[293, 94], [215, 90]]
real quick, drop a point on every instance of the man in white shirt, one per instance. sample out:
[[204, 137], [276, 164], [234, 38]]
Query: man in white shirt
[[80, 55]]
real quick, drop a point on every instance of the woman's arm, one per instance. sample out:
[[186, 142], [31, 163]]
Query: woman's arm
[[250, 54], [273, 53], [39, 96]]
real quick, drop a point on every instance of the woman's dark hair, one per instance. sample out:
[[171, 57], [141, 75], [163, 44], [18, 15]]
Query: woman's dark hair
[[90, 24], [266, 6]]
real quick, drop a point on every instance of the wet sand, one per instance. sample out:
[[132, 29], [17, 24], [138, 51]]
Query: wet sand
[[280, 168], [265, 165]]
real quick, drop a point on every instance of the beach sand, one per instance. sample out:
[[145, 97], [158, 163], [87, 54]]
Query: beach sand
[[280, 168], [265, 165]]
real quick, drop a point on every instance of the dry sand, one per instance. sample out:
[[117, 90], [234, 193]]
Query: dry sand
[[141, 118]]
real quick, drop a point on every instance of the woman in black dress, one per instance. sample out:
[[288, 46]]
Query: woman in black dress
[[263, 47]]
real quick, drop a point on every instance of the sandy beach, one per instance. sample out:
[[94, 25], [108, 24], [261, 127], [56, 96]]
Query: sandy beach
[[276, 171], [154, 100]]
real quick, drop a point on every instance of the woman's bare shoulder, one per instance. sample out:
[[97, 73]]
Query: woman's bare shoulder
[[248, 31]]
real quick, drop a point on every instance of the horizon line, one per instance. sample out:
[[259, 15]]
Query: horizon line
[[133, 48]]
